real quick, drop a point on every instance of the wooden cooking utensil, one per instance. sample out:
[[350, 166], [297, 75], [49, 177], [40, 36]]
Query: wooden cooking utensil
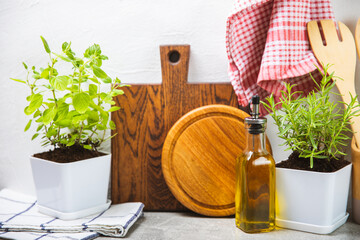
[[357, 37], [199, 157], [355, 153], [341, 54]]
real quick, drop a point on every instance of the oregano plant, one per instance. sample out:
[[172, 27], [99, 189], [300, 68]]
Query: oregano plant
[[73, 108], [313, 126]]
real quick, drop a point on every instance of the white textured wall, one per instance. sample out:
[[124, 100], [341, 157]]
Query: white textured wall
[[129, 32]]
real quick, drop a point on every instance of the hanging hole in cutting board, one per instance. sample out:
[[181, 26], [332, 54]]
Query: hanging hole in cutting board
[[174, 56]]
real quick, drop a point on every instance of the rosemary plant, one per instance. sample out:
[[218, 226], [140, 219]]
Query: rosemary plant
[[314, 126]]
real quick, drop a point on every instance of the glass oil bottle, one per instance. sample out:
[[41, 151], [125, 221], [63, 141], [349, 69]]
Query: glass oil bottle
[[255, 178]]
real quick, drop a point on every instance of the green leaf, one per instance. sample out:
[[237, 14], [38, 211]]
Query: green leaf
[[70, 55], [18, 80], [87, 147], [45, 73], [113, 109], [107, 80], [62, 111], [94, 80], [66, 59], [79, 118], [93, 116], [103, 57], [36, 101], [46, 45], [34, 136], [93, 50], [117, 92], [50, 104], [112, 125], [45, 143], [36, 114], [49, 115], [107, 98], [101, 127], [60, 82], [28, 125], [93, 90], [81, 102], [105, 116], [71, 114], [63, 123], [98, 62], [51, 133], [40, 127], [98, 72], [25, 66], [103, 95], [64, 46], [39, 120]]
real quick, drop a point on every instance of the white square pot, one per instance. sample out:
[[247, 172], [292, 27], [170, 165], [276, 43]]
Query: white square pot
[[312, 201], [72, 190]]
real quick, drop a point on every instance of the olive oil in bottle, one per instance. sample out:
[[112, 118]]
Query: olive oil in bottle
[[255, 178]]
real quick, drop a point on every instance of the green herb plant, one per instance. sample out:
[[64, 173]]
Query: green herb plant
[[71, 109], [314, 126]]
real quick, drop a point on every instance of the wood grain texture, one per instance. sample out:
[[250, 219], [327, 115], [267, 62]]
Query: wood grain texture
[[199, 158], [147, 114], [355, 150], [355, 157], [341, 55]]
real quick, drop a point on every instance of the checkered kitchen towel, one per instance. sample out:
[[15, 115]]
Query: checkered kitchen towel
[[267, 45], [20, 219]]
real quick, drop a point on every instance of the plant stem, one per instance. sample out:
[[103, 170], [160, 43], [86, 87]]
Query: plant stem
[[80, 72], [81, 130], [93, 132], [103, 137], [55, 100], [51, 75]]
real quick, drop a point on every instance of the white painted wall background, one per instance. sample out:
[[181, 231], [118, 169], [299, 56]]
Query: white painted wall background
[[129, 32]]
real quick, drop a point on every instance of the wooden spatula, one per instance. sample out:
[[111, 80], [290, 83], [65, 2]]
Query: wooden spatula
[[357, 37], [355, 154], [340, 53]]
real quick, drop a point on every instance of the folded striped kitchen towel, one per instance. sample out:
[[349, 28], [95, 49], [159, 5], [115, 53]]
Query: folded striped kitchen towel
[[267, 45], [20, 219]]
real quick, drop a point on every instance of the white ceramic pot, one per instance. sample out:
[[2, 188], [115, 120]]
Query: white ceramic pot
[[312, 201], [72, 190]]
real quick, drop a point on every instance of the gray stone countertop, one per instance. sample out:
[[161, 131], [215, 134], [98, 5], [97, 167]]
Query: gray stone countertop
[[190, 226]]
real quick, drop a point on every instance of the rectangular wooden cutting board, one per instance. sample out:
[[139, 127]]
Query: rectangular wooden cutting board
[[147, 113]]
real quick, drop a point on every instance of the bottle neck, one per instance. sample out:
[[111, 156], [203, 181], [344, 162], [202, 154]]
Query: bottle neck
[[255, 142]]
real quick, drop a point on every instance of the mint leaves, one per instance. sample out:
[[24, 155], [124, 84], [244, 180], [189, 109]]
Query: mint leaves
[[71, 108]]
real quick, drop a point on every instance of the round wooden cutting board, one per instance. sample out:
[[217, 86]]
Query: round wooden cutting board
[[199, 157]]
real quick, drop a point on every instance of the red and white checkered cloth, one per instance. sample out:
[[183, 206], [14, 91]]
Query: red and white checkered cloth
[[267, 45]]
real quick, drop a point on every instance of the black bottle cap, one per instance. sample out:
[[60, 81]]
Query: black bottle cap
[[256, 124], [255, 99]]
